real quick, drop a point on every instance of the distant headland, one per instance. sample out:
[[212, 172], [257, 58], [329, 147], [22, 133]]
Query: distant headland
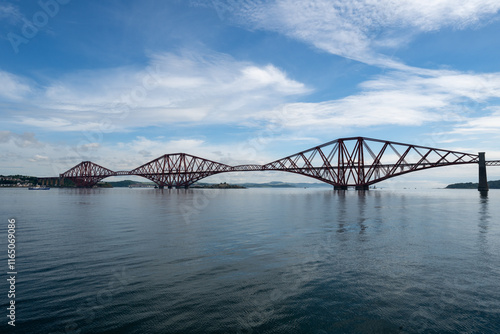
[[24, 181], [31, 181], [471, 185]]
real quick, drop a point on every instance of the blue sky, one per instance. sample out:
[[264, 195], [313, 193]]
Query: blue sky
[[123, 82]]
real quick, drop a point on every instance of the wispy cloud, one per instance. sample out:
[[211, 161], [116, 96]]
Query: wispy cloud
[[488, 125], [10, 13], [24, 140], [50, 158], [187, 87], [13, 86], [357, 29], [217, 89], [398, 98], [38, 158]]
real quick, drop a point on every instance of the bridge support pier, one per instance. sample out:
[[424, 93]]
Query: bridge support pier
[[363, 187], [483, 179], [339, 187], [161, 187]]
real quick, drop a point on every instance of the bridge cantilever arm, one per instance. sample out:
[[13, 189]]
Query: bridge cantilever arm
[[341, 162]]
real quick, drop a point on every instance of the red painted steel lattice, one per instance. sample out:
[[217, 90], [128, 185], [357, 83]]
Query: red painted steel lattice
[[87, 174], [179, 170], [360, 161], [355, 161]]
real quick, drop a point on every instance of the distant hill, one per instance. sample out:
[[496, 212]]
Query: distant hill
[[14, 180], [126, 183], [217, 186], [277, 184], [470, 185], [274, 184]]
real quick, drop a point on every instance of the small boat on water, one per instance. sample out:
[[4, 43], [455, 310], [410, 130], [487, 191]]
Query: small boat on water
[[38, 188]]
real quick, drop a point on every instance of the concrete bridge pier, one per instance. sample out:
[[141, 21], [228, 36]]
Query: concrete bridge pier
[[361, 187], [50, 181], [483, 179]]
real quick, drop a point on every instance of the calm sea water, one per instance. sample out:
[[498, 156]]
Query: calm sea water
[[253, 261]]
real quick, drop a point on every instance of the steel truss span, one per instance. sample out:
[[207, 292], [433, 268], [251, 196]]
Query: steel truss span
[[355, 161]]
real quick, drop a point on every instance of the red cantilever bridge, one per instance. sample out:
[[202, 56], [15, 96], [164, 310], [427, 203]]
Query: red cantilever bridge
[[356, 161]]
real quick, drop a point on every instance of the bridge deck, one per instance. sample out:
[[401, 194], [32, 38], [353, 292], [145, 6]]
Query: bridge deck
[[354, 161]]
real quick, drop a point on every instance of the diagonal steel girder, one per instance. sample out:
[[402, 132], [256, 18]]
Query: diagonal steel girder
[[87, 174], [179, 169], [354, 161]]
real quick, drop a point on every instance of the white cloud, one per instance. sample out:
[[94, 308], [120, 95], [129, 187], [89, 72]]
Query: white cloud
[[433, 15], [63, 124], [216, 89], [398, 98], [357, 29], [269, 76], [190, 87], [90, 146], [161, 146], [39, 157], [488, 125], [13, 87], [476, 87], [10, 13], [24, 140]]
